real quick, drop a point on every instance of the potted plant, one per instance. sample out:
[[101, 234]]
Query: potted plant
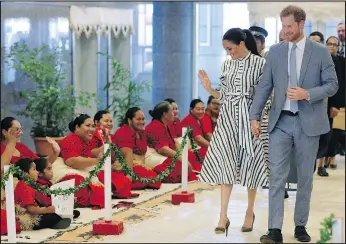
[[51, 105], [126, 92]]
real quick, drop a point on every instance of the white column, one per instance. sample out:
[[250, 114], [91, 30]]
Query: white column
[[108, 185], [185, 162], [10, 208]]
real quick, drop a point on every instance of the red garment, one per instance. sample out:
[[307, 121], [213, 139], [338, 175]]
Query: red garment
[[158, 136], [24, 195], [207, 124], [198, 129], [175, 128], [3, 217], [125, 136], [121, 185], [73, 146], [24, 152], [41, 198]]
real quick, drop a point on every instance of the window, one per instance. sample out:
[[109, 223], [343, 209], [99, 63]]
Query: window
[[307, 27], [272, 27], [16, 30], [204, 22], [331, 29], [235, 15], [145, 26]]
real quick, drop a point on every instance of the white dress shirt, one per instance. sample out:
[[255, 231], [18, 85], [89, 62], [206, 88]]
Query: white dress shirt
[[299, 59]]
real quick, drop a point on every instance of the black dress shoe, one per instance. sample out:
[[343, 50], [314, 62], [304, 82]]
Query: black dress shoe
[[321, 171], [273, 236], [286, 195], [76, 213], [301, 235]]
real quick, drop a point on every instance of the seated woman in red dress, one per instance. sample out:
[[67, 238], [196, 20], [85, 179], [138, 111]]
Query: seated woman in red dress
[[175, 127], [199, 130], [211, 114], [162, 144], [104, 122], [10, 135], [131, 140], [11, 151], [176, 130], [15, 150], [104, 125]]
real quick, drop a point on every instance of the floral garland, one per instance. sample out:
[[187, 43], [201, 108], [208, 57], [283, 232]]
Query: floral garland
[[15, 170], [326, 232]]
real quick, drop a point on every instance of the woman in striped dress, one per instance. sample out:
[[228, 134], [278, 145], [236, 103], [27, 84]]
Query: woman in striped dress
[[235, 156]]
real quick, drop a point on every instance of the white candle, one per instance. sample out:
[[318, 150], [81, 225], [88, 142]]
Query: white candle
[[185, 162], [108, 185], [10, 208]]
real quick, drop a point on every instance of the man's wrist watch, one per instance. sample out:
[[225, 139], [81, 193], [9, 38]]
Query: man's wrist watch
[[308, 98]]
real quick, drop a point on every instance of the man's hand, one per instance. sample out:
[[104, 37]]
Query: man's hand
[[297, 93], [255, 128], [333, 112]]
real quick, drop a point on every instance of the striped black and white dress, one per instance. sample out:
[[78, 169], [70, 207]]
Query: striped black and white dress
[[234, 155]]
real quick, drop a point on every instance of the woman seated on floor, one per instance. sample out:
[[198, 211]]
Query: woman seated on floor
[[131, 140], [124, 139], [12, 151], [162, 146], [10, 136], [176, 128], [201, 130], [79, 161]]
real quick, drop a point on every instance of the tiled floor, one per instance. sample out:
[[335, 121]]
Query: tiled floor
[[157, 220]]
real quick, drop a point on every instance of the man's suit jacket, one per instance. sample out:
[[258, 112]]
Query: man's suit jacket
[[317, 76]]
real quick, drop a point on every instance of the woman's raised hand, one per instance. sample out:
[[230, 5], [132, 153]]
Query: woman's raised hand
[[203, 77]]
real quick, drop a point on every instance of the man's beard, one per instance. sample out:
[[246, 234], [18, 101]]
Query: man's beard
[[296, 36]]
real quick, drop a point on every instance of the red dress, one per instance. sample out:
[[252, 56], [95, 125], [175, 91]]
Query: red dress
[[198, 129], [93, 195], [208, 124], [24, 152], [43, 199], [159, 136], [120, 183], [175, 128], [24, 195], [125, 136]]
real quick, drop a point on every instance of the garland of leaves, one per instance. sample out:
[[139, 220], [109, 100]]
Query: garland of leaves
[[194, 149], [326, 232], [15, 170]]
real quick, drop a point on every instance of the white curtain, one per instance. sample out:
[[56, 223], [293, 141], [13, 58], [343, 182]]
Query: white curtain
[[89, 20]]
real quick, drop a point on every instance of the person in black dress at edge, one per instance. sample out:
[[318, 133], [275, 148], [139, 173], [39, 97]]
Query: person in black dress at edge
[[260, 35], [327, 146], [338, 101], [324, 139]]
